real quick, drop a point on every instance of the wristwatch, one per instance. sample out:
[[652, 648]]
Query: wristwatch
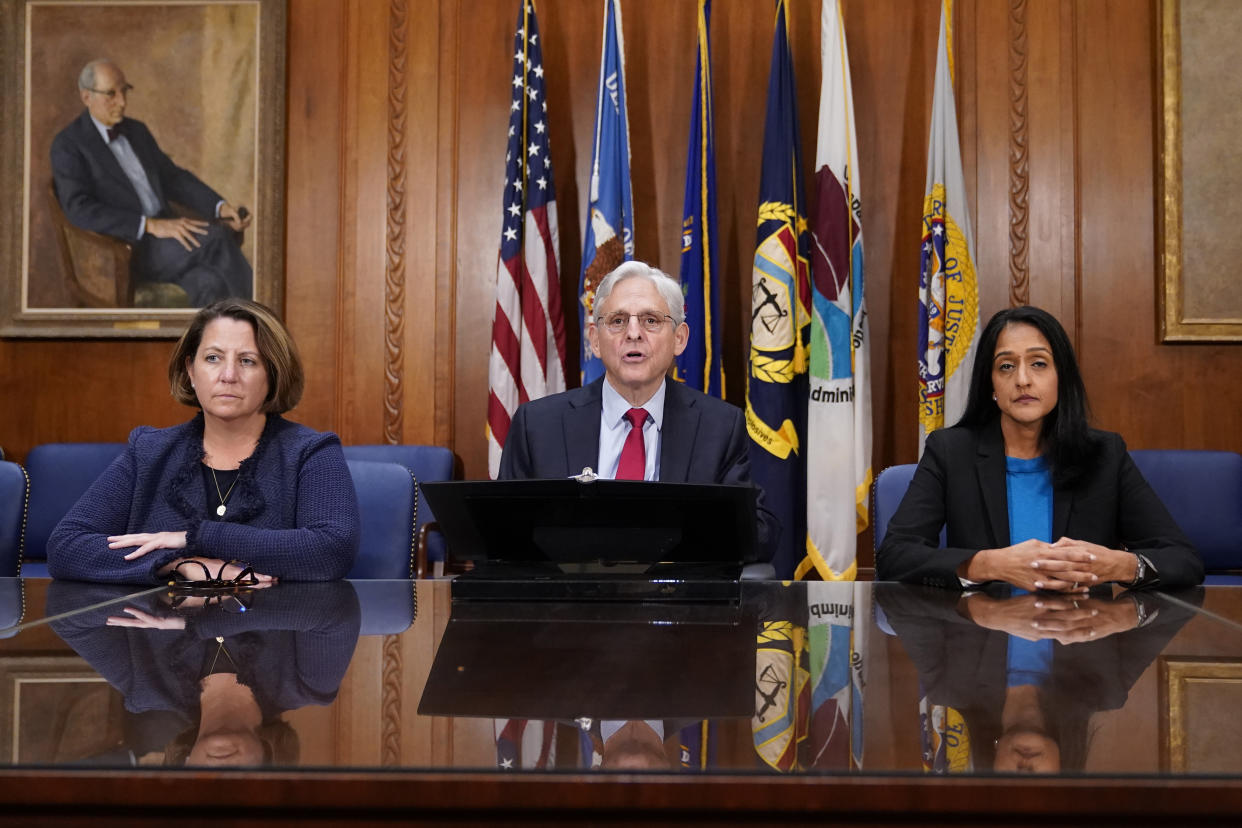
[[1140, 571]]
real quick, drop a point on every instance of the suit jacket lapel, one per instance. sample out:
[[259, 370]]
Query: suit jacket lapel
[[582, 427], [1061, 502], [681, 424], [990, 467], [94, 144]]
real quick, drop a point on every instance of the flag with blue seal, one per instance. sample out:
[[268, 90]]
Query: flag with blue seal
[[609, 233]]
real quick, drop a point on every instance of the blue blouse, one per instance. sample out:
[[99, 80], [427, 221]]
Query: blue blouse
[[1028, 484]]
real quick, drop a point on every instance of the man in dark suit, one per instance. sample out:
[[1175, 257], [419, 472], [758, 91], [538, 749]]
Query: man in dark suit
[[635, 422], [113, 178]]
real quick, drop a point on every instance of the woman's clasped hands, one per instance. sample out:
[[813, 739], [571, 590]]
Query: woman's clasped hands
[[1068, 565]]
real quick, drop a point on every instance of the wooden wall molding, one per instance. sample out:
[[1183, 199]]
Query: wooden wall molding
[[390, 703], [394, 276], [394, 332], [1019, 166]]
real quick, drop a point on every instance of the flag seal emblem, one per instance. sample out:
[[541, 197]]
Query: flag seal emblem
[[949, 298]]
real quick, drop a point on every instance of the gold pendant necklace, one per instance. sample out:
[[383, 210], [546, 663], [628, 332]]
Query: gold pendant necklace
[[221, 649], [220, 510]]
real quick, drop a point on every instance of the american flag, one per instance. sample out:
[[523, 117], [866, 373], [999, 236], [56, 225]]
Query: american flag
[[528, 329]]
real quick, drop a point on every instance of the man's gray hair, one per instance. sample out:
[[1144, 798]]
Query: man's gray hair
[[670, 288], [86, 78]]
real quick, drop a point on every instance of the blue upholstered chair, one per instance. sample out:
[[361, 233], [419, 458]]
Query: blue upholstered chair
[[14, 491], [59, 474], [1203, 492], [386, 504], [426, 463], [890, 487]]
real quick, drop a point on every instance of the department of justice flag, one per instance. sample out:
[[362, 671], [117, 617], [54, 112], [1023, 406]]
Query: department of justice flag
[[838, 434], [528, 329], [776, 383], [609, 233], [948, 289], [699, 365]]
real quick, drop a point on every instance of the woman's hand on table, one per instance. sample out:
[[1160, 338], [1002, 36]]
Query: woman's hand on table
[[146, 542], [211, 568]]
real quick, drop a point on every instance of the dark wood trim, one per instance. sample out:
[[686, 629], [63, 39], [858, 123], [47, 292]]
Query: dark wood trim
[[318, 797]]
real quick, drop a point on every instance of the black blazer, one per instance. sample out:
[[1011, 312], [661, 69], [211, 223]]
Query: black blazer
[[960, 485], [702, 440], [95, 192]]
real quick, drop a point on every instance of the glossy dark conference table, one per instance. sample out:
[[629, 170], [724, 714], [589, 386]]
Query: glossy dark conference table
[[756, 703]]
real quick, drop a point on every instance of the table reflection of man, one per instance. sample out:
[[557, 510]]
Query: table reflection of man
[[635, 422], [628, 745], [113, 178], [209, 678], [1026, 671]]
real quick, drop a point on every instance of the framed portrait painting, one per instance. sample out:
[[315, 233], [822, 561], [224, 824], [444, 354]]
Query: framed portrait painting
[[141, 162], [56, 710], [1200, 44], [1199, 731]]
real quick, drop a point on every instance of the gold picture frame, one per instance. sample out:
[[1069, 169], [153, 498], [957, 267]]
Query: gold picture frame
[[1197, 295], [55, 709], [209, 79], [1198, 733]]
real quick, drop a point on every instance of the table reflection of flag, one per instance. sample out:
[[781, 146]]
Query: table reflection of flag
[[528, 328], [837, 626], [698, 743], [524, 744], [810, 676], [945, 738]]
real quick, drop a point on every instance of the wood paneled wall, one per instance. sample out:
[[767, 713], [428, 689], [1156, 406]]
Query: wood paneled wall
[[396, 129]]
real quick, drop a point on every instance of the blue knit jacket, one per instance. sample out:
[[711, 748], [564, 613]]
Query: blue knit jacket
[[293, 513]]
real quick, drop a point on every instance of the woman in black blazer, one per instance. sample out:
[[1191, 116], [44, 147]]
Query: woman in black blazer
[[1026, 414]]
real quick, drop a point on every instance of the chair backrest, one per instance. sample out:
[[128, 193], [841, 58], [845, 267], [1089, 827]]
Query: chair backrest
[[1203, 492], [426, 463], [14, 494], [96, 266], [890, 488], [386, 505], [59, 474]]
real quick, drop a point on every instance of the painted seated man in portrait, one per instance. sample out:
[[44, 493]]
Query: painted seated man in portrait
[[112, 178]]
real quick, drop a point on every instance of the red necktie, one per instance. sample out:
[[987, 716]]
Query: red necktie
[[113, 132], [633, 464]]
